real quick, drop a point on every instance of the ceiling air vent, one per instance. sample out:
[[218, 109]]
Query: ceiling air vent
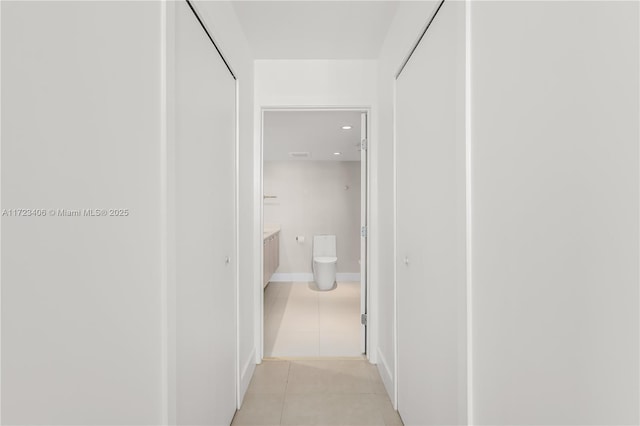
[[299, 154]]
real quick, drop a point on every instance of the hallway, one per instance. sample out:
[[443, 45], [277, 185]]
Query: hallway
[[316, 392], [175, 175]]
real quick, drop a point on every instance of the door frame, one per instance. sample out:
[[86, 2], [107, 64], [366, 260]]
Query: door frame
[[258, 246]]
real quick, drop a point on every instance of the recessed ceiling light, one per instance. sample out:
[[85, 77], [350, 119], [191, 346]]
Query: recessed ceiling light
[[337, 153], [300, 154], [346, 127]]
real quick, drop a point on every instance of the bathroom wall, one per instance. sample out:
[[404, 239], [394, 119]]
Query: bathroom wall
[[314, 197]]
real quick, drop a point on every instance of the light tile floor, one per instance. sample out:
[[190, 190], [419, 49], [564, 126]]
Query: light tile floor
[[299, 320], [316, 392]]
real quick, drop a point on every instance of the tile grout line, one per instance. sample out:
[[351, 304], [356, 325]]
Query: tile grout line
[[318, 310], [322, 332], [284, 395]]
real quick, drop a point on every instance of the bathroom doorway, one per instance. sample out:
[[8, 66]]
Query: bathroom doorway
[[314, 210]]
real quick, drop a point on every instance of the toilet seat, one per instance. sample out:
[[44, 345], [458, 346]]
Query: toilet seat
[[325, 259]]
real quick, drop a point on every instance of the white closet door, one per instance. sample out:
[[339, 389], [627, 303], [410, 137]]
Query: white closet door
[[205, 223], [431, 225]]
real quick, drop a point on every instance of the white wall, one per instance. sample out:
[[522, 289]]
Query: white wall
[[410, 19], [555, 212], [225, 29], [319, 83], [81, 296], [314, 197]]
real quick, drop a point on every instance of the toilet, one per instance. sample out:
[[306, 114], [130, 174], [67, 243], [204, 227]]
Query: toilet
[[324, 261]]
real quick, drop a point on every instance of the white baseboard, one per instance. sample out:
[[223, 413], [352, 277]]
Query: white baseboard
[[246, 373], [385, 374], [288, 277], [348, 276]]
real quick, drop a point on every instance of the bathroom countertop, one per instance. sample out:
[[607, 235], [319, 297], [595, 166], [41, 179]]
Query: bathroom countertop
[[268, 232]]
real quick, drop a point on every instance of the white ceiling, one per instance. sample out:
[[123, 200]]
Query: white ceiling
[[317, 132], [315, 29]]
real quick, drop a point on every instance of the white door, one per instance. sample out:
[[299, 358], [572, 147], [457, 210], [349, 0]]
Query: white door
[[430, 212], [364, 234], [205, 227]]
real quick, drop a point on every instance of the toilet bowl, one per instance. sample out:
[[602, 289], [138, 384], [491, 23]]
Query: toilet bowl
[[324, 261]]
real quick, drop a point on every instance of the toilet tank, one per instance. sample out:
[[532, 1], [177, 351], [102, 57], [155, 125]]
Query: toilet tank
[[324, 246]]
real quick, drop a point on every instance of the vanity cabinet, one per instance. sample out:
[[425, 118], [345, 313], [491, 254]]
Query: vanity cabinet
[[271, 256]]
